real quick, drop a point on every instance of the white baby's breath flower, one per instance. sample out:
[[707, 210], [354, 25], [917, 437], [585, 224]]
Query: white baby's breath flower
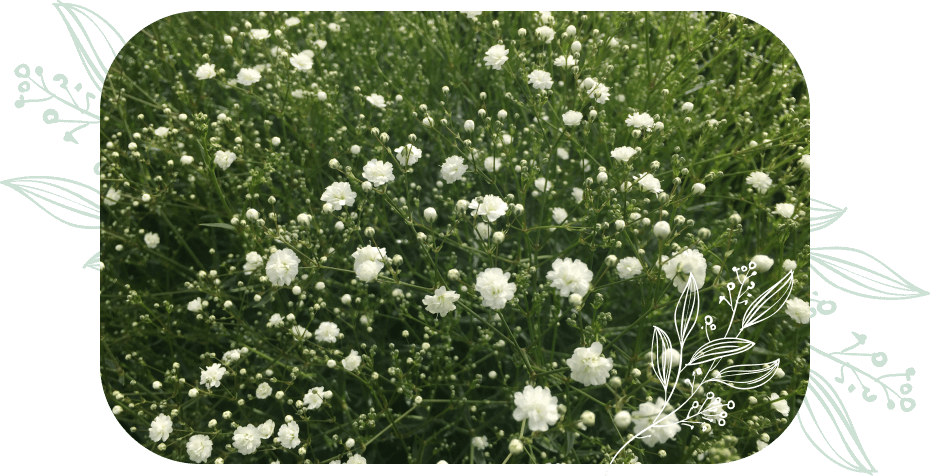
[[666, 424], [211, 375], [785, 210], [369, 261], [559, 215], [378, 172], [649, 183], [545, 33], [442, 301], [492, 164], [288, 435], [496, 56], [161, 131], [160, 428], [253, 262], [206, 71], [798, 310], [542, 184], [629, 267], [151, 239], [494, 288], [339, 194], [376, 100], [760, 181], [491, 207], [572, 118], [540, 79], [248, 76], [623, 154], [408, 155], [578, 194], [640, 121], [113, 196], [263, 391], [224, 158], [781, 406], [763, 263], [570, 276], [680, 266], [302, 62], [314, 398], [282, 267], [565, 61], [327, 332], [536, 405], [246, 439], [259, 34], [352, 361], [199, 448], [588, 366], [805, 162], [453, 169]]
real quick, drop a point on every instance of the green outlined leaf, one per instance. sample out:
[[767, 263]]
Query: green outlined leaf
[[859, 273], [95, 39], [824, 215], [827, 425], [72, 203], [93, 262]]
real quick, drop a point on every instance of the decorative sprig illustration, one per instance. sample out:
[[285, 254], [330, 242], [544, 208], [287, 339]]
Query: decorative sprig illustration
[[714, 350], [70, 202]]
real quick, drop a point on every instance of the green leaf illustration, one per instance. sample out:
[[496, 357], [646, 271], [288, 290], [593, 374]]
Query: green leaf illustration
[[859, 273], [95, 39], [824, 215], [70, 202], [93, 262], [827, 425]]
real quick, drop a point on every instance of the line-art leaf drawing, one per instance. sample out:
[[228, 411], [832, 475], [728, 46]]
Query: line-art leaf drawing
[[662, 368], [824, 215], [747, 376], [827, 425], [93, 262], [859, 273], [769, 302], [687, 307], [719, 349], [72, 203], [95, 39]]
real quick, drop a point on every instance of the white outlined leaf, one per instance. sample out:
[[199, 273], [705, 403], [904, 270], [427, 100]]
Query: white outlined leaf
[[661, 343], [768, 303], [70, 202], [687, 309], [859, 273], [95, 39], [824, 215], [720, 348], [747, 376]]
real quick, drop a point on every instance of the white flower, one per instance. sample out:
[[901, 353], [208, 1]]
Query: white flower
[[282, 267], [211, 375], [442, 301], [540, 79], [161, 131], [560, 215], [785, 210], [542, 184], [629, 267], [622, 419], [789, 265], [230, 356], [266, 430], [760, 181], [224, 158], [299, 332], [578, 194], [588, 366], [763, 262], [640, 121], [113, 196], [798, 310], [546, 33], [369, 261], [206, 71], [302, 61], [667, 425], [408, 155], [480, 442], [491, 207], [565, 61], [356, 459], [429, 214], [263, 391], [199, 448], [536, 405], [248, 76], [600, 93], [453, 169], [246, 439], [314, 397], [623, 154], [292, 21], [496, 56], [160, 428], [320, 44], [570, 276], [483, 230], [151, 240], [661, 229], [352, 362], [471, 15], [562, 153], [670, 358], [649, 183], [259, 34], [275, 320], [196, 305], [572, 118], [253, 262], [469, 125], [687, 107], [805, 162], [378, 172], [339, 194], [781, 406], [376, 100], [492, 164], [287, 435], [678, 268], [494, 287], [326, 332]]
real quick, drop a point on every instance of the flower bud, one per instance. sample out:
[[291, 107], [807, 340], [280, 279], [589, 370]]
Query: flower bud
[[622, 419], [429, 214], [698, 188], [497, 238], [661, 229], [469, 125], [522, 32], [453, 274], [515, 447], [576, 46], [588, 418], [619, 224], [687, 107], [428, 121], [575, 300], [602, 177], [502, 114]]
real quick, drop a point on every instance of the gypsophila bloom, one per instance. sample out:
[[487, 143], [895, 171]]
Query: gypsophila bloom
[[760, 181], [248, 76], [559, 215], [623, 154], [253, 262], [578, 194], [789, 265], [629, 267], [546, 33], [667, 425], [453, 169], [160, 428], [212, 375], [640, 121], [680, 266], [471, 15], [622, 419], [292, 21], [670, 358], [206, 71], [798, 310], [491, 207], [314, 397], [483, 230], [376, 100], [196, 305], [496, 56], [408, 155], [781, 406], [378, 172], [785, 210], [339, 194], [649, 183], [266, 430], [199, 448], [565, 61], [570, 276], [805, 162], [600, 93], [224, 158], [369, 261], [288, 435], [492, 164], [572, 118], [356, 459], [442, 301], [661, 229], [302, 62], [494, 287], [542, 184], [151, 240], [480, 442], [536, 405], [282, 267], [326, 332], [540, 79], [161, 131], [588, 366], [113, 196], [259, 34], [246, 439], [763, 263], [299, 332], [352, 361], [263, 391]]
